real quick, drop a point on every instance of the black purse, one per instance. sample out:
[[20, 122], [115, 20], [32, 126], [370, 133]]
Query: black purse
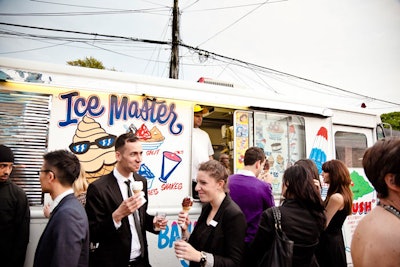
[[281, 252]]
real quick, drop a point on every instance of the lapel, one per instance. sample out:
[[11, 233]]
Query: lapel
[[142, 209], [52, 214], [59, 205], [217, 218], [113, 189]]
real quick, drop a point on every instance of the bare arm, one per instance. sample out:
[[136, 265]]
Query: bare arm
[[335, 203]]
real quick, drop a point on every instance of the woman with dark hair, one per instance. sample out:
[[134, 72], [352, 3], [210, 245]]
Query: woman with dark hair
[[302, 220], [218, 237], [312, 168], [338, 204]]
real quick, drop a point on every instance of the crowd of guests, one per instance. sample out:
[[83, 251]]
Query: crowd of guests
[[105, 223], [313, 224]]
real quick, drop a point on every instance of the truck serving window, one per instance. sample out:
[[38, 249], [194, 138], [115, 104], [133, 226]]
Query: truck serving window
[[350, 148], [282, 137], [24, 119]]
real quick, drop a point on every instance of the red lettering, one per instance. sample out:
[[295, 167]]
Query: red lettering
[[152, 192], [368, 206], [361, 207], [171, 186], [152, 152]]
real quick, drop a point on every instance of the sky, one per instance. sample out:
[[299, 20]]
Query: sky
[[317, 50]]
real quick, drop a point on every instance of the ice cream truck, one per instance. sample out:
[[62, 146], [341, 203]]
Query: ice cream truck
[[44, 107]]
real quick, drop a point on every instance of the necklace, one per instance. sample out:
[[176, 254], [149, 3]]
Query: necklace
[[390, 209]]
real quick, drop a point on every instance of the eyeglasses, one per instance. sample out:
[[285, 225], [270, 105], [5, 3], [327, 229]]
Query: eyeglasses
[[83, 147], [44, 171]]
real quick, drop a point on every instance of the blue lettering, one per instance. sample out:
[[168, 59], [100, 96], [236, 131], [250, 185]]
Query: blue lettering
[[117, 111], [93, 105], [156, 112], [80, 107], [146, 110], [133, 110], [69, 118], [82, 102], [121, 108], [174, 234], [163, 239]]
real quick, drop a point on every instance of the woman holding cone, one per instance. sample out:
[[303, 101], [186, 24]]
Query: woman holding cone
[[218, 237]]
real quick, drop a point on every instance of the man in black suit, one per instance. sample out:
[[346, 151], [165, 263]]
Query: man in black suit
[[114, 214], [65, 240]]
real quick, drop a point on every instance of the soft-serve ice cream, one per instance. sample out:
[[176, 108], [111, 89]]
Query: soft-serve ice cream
[[137, 186], [94, 148], [187, 203]]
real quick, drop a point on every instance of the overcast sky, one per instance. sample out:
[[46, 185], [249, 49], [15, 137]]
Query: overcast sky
[[350, 45]]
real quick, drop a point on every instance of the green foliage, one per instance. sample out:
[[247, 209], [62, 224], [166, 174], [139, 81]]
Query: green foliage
[[88, 62], [393, 118]]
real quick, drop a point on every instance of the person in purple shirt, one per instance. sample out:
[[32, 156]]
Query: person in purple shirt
[[251, 194]]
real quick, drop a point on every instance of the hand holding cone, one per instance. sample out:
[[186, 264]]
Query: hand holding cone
[[187, 203]]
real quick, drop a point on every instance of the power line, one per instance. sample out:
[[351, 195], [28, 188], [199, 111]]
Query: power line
[[206, 53], [93, 34]]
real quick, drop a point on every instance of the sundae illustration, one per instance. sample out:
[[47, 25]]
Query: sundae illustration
[[275, 131], [150, 139], [148, 174], [94, 148]]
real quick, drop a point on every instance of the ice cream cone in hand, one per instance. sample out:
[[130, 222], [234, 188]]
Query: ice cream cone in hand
[[137, 186], [187, 203]]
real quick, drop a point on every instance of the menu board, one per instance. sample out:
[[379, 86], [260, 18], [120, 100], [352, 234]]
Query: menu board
[[282, 139], [243, 122]]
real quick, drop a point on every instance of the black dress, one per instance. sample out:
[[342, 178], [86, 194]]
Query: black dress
[[331, 249]]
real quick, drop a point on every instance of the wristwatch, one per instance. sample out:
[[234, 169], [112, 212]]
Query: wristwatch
[[203, 258]]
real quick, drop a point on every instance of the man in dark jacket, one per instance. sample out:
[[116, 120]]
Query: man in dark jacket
[[65, 240], [14, 215], [118, 219]]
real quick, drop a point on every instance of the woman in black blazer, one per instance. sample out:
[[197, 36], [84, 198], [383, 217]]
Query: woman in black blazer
[[218, 237], [302, 220]]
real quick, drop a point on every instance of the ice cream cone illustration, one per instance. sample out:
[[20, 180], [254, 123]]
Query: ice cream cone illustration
[[94, 148]]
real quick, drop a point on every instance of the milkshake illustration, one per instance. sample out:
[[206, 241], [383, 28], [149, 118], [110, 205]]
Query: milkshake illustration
[[170, 161]]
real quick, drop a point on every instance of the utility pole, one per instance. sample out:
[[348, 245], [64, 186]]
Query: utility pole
[[174, 62]]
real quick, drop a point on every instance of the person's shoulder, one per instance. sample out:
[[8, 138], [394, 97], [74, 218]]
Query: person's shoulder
[[17, 189], [233, 212], [139, 177], [337, 198], [70, 205], [105, 179]]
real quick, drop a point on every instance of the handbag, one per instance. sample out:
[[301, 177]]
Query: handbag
[[281, 252]]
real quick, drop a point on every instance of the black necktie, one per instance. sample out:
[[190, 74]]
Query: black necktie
[[137, 221]]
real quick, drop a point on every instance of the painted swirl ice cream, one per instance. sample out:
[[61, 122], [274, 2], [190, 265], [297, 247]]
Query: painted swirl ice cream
[[99, 159]]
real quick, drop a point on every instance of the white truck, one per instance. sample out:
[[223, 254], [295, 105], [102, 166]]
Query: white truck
[[44, 107]]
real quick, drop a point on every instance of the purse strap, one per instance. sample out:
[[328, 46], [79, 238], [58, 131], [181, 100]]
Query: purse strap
[[277, 217]]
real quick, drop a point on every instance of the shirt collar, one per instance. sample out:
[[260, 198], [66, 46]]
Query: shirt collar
[[120, 178], [246, 172], [58, 199]]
